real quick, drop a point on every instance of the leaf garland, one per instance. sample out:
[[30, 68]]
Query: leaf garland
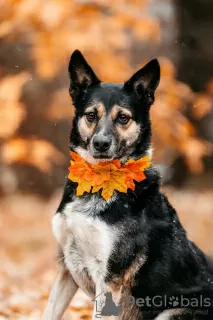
[[108, 176]]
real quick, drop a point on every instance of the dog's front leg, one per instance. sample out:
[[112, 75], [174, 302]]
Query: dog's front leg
[[63, 290]]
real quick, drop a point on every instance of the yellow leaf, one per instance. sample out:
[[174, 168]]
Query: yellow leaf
[[107, 176], [83, 186]]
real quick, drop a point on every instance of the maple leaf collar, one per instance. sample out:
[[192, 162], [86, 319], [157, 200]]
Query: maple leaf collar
[[108, 176]]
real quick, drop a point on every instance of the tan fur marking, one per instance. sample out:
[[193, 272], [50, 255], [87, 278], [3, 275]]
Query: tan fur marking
[[99, 108], [130, 273], [128, 276], [129, 133], [118, 109], [119, 292], [121, 287], [132, 312], [86, 128]]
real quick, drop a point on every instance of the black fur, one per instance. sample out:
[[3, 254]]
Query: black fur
[[174, 265]]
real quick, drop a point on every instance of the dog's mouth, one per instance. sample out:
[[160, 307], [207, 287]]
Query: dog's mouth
[[108, 156], [102, 156]]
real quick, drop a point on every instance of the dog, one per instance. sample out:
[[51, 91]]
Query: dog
[[133, 245]]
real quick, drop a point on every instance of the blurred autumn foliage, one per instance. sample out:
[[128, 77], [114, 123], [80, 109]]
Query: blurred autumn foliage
[[117, 37], [36, 40]]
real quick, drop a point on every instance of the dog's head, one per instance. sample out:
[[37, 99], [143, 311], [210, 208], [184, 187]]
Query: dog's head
[[111, 120]]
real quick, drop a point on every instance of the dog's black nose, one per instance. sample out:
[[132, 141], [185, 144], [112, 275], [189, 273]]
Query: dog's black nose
[[102, 143]]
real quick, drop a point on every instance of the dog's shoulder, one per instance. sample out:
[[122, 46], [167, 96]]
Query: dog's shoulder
[[68, 194]]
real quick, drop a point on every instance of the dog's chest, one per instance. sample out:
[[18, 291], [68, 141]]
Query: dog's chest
[[87, 241]]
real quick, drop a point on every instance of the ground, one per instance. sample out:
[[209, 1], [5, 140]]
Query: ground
[[27, 251]]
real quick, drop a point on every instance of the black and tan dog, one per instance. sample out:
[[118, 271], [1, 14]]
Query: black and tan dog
[[133, 245]]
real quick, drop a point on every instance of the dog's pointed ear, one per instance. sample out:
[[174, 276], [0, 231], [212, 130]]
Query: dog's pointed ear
[[81, 75], [145, 81]]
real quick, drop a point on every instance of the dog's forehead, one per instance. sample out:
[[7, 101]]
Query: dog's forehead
[[107, 96]]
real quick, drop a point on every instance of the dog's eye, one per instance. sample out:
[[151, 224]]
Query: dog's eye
[[123, 118], [91, 116]]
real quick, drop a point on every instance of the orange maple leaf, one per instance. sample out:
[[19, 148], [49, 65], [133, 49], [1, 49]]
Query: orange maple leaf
[[106, 176]]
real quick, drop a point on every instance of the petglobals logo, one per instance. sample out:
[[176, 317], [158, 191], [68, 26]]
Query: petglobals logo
[[105, 306], [170, 302]]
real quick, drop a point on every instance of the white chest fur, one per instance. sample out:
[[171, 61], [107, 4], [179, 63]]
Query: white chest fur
[[86, 241]]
